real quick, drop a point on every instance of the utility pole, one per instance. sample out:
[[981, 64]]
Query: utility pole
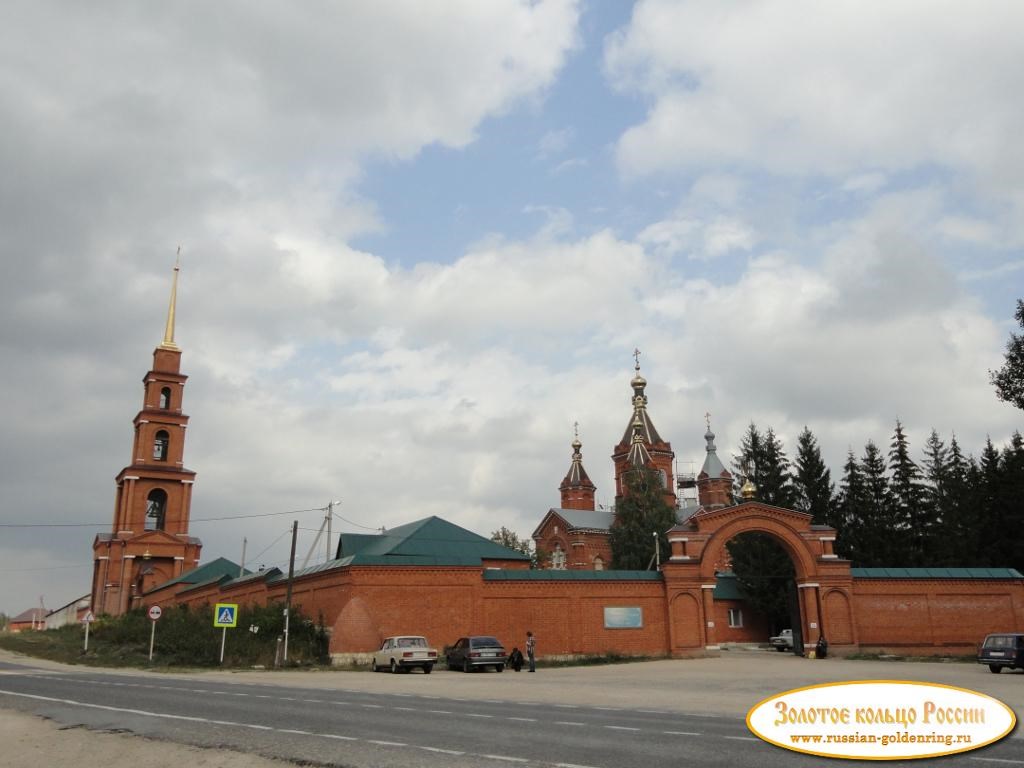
[[330, 514], [288, 596], [241, 568]]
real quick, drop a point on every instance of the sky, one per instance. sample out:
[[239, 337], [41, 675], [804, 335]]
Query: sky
[[420, 242]]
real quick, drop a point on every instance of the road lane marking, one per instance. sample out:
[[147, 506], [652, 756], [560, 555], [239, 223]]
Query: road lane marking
[[571, 765], [567, 722], [477, 714], [566, 706], [741, 738], [524, 719], [387, 743], [620, 728], [442, 751], [681, 733], [998, 760], [337, 736], [506, 758], [406, 709], [439, 711]]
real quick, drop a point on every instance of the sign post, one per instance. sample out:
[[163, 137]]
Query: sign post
[[154, 613], [87, 620], [225, 615]]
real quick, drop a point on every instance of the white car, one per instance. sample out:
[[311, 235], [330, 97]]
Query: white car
[[403, 652], [783, 641]]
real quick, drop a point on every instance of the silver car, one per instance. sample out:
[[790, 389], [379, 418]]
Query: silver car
[[403, 652]]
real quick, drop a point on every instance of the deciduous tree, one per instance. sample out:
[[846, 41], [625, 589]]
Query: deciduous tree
[[1009, 380]]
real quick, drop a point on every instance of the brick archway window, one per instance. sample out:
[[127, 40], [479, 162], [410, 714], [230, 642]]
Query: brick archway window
[[598, 563], [165, 398], [156, 510], [558, 559], [160, 445]]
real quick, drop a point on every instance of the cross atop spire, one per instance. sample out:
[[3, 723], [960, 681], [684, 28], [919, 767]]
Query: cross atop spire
[[636, 356], [707, 420]]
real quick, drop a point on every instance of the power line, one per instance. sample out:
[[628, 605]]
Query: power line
[[45, 568], [191, 520]]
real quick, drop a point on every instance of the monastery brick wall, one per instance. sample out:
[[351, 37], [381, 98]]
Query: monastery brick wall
[[933, 616], [364, 604]]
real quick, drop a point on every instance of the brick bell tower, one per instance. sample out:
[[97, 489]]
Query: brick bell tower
[[641, 445], [149, 542]]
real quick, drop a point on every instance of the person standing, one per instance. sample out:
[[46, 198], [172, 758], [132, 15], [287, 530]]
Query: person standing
[[531, 649]]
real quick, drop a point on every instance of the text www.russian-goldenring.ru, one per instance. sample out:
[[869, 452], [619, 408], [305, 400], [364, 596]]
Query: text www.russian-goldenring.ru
[[886, 739]]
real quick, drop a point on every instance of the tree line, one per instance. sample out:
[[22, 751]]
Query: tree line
[[948, 509]]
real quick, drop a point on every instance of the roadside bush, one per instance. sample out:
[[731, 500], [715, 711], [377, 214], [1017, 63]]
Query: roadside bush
[[185, 637]]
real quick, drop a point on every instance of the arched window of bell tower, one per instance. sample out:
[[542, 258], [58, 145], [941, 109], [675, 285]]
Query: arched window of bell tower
[[165, 398], [160, 445], [156, 510]]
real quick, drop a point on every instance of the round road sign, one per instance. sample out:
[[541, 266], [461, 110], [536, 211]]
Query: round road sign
[[155, 612]]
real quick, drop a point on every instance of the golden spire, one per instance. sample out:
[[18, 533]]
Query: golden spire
[[168, 342]]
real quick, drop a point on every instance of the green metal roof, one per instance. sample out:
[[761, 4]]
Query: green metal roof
[[213, 570], [936, 573], [493, 574], [430, 541]]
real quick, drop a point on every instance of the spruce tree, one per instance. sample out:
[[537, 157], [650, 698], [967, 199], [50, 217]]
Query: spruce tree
[[880, 536], [759, 563], [747, 464], [986, 496], [1009, 498], [775, 483], [763, 459], [959, 520], [814, 489], [850, 541], [911, 514], [641, 513]]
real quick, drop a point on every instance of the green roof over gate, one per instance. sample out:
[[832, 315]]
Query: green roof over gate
[[936, 573]]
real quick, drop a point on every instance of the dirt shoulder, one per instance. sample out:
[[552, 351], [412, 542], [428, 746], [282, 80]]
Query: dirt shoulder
[[29, 742]]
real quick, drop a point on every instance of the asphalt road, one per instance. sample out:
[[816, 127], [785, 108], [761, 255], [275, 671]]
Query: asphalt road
[[444, 719]]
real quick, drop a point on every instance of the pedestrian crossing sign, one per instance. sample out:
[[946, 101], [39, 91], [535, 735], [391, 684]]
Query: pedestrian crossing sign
[[225, 615]]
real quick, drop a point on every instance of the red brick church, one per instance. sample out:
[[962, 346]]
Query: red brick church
[[574, 536]]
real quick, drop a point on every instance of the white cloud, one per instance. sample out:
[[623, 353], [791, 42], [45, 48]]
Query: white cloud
[[802, 87], [555, 142]]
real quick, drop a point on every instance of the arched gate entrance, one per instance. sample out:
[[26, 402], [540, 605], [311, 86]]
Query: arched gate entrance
[[824, 583]]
